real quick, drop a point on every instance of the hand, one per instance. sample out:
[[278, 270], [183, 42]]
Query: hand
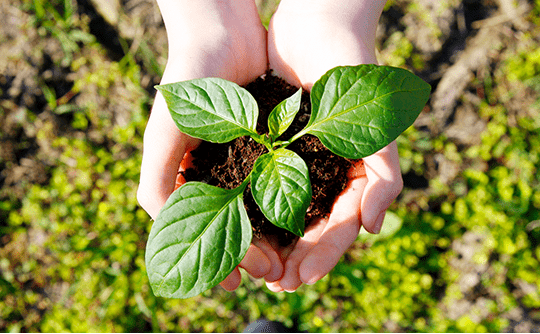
[[370, 191], [207, 38], [306, 39]]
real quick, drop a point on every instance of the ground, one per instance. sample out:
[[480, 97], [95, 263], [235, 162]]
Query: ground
[[76, 86]]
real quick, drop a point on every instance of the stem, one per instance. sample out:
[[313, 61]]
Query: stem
[[262, 139], [277, 144], [284, 144]]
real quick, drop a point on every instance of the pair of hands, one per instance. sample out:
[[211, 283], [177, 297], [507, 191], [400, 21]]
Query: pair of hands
[[306, 38]]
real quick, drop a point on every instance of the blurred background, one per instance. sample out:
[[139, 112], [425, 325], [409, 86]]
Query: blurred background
[[459, 253]]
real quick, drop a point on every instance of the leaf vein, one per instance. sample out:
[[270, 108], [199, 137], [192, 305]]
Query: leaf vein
[[223, 208]]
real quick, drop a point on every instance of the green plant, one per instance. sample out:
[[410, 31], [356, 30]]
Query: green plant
[[203, 232]]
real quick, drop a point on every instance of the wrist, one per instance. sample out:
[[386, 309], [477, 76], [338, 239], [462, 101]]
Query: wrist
[[188, 20], [360, 16], [344, 9]]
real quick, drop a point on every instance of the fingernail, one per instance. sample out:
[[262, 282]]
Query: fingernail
[[312, 280], [378, 223]]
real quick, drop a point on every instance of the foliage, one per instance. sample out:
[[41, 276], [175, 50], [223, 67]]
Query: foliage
[[525, 66], [203, 232], [465, 259]]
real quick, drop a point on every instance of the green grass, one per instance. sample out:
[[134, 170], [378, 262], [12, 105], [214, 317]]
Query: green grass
[[72, 256]]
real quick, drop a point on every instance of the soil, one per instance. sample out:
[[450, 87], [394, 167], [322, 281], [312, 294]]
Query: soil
[[227, 165]]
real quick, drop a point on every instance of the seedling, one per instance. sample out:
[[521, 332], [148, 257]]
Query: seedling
[[203, 232]]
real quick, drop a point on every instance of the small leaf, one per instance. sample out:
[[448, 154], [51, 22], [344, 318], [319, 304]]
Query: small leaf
[[357, 110], [211, 109], [281, 187], [199, 237], [283, 114]]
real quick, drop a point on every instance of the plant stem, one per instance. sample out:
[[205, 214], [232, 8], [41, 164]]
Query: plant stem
[[283, 144], [264, 140]]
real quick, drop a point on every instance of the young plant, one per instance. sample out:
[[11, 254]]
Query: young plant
[[203, 232]]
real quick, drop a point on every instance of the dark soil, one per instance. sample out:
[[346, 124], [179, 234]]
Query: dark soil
[[227, 165]]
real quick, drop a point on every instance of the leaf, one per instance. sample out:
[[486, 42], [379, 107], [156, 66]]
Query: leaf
[[357, 110], [199, 237], [283, 114], [211, 109], [281, 187]]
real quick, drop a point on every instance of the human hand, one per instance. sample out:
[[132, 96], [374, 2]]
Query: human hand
[[306, 39], [372, 187], [207, 38]]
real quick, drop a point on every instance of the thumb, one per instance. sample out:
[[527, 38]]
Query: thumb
[[384, 185]]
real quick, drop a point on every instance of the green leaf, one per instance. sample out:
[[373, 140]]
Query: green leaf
[[281, 187], [283, 114], [211, 109], [357, 110], [199, 237]]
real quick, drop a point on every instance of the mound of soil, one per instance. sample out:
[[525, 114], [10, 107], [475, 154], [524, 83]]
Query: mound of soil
[[227, 165]]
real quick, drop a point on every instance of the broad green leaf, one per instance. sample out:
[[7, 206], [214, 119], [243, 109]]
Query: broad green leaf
[[211, 109], [357, 110], [283, 114], [281, 187], [200, 235]]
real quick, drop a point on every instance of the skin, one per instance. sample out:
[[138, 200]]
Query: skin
[[306, 38]]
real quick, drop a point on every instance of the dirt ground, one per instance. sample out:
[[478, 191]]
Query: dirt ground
[[454, 44]]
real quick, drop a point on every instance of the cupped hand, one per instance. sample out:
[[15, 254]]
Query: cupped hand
[[306, 39], [372, 187], [207, 38]]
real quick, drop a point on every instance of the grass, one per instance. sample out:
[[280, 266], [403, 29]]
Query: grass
[[72, 259]]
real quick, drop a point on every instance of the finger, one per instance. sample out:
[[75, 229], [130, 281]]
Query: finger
[[185, 164], [274, 287], [255, 262], [339, 233], [291, 277], [231, 282], [385, 184], [276, 265], [164, 147]]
